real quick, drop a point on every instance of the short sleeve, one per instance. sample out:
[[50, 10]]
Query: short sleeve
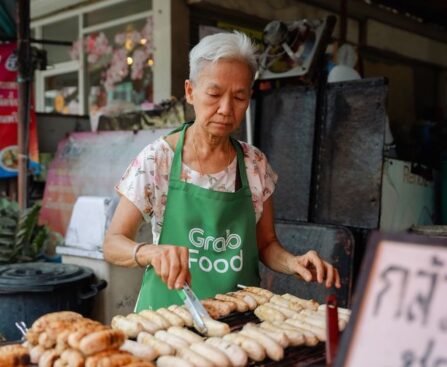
[[269, 178], [137, 183]]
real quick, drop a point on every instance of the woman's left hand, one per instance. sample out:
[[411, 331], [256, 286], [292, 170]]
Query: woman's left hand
[[312, 267]]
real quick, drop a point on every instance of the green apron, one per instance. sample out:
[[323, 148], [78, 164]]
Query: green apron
[[218, 228]]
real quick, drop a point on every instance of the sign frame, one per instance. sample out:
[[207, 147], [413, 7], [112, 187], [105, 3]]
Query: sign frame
[[374, 242]]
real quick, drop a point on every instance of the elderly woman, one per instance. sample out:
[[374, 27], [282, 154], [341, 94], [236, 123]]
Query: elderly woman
[[208, 195]]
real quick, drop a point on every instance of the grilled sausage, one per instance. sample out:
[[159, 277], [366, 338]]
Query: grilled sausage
[[14, 355], [161, 347], [195, 358], [237, 356], [140, 350], [171, 361], [272, 348], [129, 327], [101, 340], [186, 334], [255, 350], [214, 354]]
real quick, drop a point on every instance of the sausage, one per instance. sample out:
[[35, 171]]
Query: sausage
[[341, 317], [171, 361], [319, 332], [247, 298], [14, 355], [35, 353], [173, 340], [277, 335], [41, 323], [149, 326], [215, 355], [140, 364], [82, 329], [267, 313], [195, 358], [129, 327], [110, 358], [319, 318], [156, 318], [273, 350], [255, 350], [48, 358], [217, 309], [260, 291], [287, 312], [101, 340], [186, 334], [173, 318], [310, 339], [341, 310], [161, 347], [237, 356], [294, 306], [225, 307], [295, 337], [306, 303], [216, 328], [260, 300], [62, 341], [73, 358], [140, 350], [241, 306], [183, 313]]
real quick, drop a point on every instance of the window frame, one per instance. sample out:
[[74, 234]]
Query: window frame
[[70, 66]]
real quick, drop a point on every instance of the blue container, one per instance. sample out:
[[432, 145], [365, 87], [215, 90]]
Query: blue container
[[30, 290]]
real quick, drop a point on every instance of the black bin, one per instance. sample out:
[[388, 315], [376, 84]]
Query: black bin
[[30, 290]]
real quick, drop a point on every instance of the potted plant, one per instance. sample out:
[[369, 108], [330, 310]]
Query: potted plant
[[22, 239]]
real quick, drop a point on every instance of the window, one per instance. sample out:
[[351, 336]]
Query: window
[[62, 94], [55, 53], [111, 57], [119, 63]]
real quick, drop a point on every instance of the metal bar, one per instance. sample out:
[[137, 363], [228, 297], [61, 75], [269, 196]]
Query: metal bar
[[343, 21], [75, 12], [116, 22], [24, 78], [51, 42]]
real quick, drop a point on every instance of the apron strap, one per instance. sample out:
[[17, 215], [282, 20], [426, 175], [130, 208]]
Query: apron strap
[[176, 169]]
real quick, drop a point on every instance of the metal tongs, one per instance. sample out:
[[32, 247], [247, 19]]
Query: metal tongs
[[22, 327], [194, 306]]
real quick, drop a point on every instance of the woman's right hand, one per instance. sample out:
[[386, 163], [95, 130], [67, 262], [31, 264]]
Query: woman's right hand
[[170, 263]]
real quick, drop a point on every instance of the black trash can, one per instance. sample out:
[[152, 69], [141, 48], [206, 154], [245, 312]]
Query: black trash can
[[30, 290]]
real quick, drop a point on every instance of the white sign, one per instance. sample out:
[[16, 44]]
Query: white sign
[[401, 319]]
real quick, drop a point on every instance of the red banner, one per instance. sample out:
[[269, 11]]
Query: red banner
[[8, 115]]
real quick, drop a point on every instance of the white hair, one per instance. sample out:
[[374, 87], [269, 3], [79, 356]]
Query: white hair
[[232, 46]]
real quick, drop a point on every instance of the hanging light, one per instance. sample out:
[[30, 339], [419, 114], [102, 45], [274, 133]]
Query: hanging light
[[129, 60]]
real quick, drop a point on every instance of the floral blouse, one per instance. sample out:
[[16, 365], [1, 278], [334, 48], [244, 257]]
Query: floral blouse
[[145, 182]]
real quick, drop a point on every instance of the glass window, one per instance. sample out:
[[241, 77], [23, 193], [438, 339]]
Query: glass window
[[64, 30], [120, 10], [61, 94], [119, 64]]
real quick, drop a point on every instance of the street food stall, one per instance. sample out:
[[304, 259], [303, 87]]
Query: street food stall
[[323, 133]]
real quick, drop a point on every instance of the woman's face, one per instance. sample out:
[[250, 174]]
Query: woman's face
[[220, 96]]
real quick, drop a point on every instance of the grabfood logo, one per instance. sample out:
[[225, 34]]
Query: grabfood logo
[[218, 244]]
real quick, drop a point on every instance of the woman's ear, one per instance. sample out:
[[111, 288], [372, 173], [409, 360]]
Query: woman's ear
[[189, 91]]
